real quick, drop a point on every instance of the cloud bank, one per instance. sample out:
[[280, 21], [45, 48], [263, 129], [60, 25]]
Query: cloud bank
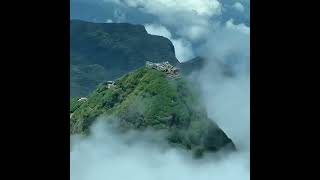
[[238, 6], [183, 48], [189, 19], [107, 156], [191, 25]]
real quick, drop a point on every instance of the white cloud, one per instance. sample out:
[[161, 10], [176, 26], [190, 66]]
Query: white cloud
[[191, 22], [194, 32], [238, 6], [228, 103], [229, 44], [203, 7], [240, 27], [191, 17], [159, 30], [183, 48], [108, 156], [109, 21]]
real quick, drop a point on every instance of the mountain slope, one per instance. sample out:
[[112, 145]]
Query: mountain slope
[[192, 65], [100, 51], [197, 64], [148, 98]]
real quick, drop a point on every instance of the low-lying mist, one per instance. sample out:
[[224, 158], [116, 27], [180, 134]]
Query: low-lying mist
[[227, 100], [107, 155]]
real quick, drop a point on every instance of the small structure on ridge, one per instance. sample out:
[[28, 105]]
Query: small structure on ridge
[[83, 99], [110, 84], [164, 67]]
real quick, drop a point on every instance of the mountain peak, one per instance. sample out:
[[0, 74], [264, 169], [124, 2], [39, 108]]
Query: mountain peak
[[147, 98]]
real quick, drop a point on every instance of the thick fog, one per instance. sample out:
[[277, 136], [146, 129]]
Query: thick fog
[[106, 155]]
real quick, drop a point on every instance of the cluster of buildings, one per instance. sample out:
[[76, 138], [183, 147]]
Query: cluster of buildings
[[164, 67]]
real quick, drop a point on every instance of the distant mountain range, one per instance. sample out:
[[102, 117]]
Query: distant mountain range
[[105, 51]]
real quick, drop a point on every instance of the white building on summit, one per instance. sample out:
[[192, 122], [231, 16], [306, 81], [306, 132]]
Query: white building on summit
[[164, 67], [83, 99], [110, 84]]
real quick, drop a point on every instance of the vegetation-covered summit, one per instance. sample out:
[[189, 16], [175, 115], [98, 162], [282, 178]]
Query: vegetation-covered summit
[[148, 98]]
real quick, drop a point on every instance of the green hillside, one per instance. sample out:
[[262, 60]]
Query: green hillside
[[148, 98]]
